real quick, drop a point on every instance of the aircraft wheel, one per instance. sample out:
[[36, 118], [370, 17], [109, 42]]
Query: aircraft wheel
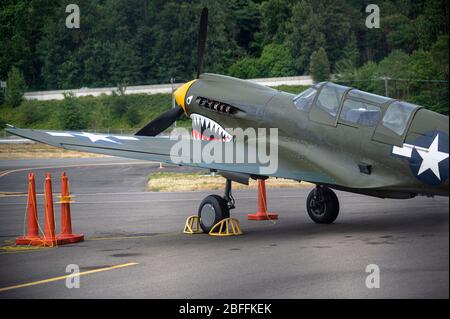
[[211, 211], [322, 205]]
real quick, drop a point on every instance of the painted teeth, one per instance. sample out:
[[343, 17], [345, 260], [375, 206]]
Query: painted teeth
[[205, 122]]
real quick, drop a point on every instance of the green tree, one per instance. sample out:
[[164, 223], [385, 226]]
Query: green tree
[[319, 66], [16, 87], [422, 66], [400, 32], [276, 60], [335, 17], [345, 71], [351, 52], [124, 67], [222, 50], [55, 48], [132, 116], [345, 67], [427, 92], [70, 115], [431, 22], [396, 67], [368, 78], [150, 41], [439, 54], [248, 20], [412, 78], [246, 68], [274, 17], [21, 25], [304, 34], [2, 96]]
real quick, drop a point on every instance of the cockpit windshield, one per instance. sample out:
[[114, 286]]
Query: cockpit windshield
[[330, 98], [397, 116], [369, 97], [355, 107], [304, 100]]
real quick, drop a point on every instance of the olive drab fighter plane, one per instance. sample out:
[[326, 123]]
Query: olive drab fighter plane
[[333, 136]]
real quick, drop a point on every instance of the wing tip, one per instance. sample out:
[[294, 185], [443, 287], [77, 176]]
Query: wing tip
[[10, 128]]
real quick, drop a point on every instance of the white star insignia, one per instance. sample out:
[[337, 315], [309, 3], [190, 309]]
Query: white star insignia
[[431, 158], [97, 137]]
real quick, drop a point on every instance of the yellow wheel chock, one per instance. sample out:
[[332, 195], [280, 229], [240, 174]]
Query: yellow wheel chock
[[226, 227], [192, 225]]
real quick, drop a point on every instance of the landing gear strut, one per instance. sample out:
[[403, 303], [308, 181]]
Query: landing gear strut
[[322, 205], [214, 208], [228, 196]]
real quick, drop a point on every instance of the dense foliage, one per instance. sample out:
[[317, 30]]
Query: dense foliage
[[17, 87], [93, 113], [117, 112], [420, 77], [150, 41], [319, 66]]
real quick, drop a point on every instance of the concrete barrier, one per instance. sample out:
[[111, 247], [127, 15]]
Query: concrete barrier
[[154, 89]]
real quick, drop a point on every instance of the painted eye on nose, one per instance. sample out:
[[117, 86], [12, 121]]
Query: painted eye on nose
[[189, 100]]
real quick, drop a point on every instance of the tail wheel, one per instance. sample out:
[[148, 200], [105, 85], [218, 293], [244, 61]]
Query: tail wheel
[[322, 205], [211, 211]]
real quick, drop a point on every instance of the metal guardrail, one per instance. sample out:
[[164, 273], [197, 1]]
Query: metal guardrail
[[154, 89], [15, 141], [143, 89]]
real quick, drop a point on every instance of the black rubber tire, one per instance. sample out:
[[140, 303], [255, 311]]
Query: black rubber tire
[[213, 208], [327, 211]]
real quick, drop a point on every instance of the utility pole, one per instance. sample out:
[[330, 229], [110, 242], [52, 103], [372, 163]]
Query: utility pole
[[386, 87]]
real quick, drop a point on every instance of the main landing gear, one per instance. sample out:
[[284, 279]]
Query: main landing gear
[[322, 205], [215, 208]]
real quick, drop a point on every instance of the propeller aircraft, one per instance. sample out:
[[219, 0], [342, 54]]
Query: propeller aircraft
[[333, 136]]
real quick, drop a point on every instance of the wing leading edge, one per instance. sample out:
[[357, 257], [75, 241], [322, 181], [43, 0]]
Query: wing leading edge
[[158, 149], [129, 146]]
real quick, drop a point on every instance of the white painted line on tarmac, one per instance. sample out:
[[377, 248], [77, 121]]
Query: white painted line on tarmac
[[4, 173]]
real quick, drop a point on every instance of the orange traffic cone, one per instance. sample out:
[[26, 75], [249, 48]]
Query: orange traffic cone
[[262, 213], [66, 236], [49, 228], [33, 227]]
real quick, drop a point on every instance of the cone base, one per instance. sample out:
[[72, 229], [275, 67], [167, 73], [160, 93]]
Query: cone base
[[262, 216], [69, 239], [28, 241], [48, 242], [37, 241]]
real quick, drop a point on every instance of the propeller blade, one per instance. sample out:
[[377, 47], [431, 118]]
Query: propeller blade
[[201, 45], [161, 123]]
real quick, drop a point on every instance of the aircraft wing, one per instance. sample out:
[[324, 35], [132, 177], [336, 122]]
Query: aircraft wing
[[158, 149], [129, 146]]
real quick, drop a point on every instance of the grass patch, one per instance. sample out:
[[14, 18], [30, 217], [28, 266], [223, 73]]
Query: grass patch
[[182, 182], [294, 89], [38, 150], [101, 113], [117, 113]]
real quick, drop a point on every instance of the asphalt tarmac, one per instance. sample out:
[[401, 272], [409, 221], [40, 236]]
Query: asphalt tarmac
[[135, 247]]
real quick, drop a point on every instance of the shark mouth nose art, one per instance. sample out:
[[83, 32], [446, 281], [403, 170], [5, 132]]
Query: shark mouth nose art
[[205, 129]]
